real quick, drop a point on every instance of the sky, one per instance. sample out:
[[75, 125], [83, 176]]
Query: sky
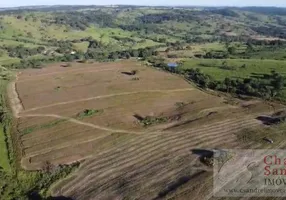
[[278, 3]]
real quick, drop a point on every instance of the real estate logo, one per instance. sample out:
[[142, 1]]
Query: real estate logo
[[250, 173]]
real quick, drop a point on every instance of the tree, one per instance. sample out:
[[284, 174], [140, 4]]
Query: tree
[[113, 56], [278, 83], [189, 47], [231, 50], [93, 44], [156, 53], [204, 81], [209, 55], [134, 72], [162, 40], [227, 82], [127, 56], [250, 47], [134, 53]]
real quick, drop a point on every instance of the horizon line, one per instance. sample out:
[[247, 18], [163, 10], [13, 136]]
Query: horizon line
[[143, 5]]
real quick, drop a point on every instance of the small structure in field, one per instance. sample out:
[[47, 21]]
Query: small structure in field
[[268, 140], [172, 66]]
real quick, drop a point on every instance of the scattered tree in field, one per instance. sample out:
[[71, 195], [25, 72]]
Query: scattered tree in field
[[47, 167], [135, 79], [134, 72], [189, 47], [88, 113], [150, 120], [231, 50], [167, 50], [278, 83]]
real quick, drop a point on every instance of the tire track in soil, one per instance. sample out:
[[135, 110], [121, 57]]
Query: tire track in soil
[[183, 142], [108, 96], [63, 72], [132, 145], [140, 165], [95, 180], [145, 143], [180, 144]]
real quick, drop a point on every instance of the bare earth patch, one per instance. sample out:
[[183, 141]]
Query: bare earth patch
[[123, 158]]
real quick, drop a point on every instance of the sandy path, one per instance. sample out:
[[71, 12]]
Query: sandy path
[[82, 123], [15, 101]]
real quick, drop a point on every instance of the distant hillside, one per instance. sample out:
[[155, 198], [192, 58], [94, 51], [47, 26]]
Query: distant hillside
[[266, 10], [38, 32]]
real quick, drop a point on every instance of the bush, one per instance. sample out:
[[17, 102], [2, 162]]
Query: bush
[[88, 113], [134, 72], [149, 120], [135, 79]]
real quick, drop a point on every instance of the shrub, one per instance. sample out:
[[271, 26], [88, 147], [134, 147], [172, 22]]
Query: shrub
[[180, 104], [88, 113], [134, 72], [149, 120], [135, 79]]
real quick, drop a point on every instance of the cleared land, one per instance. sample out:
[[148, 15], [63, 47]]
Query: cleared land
[[95, 112]]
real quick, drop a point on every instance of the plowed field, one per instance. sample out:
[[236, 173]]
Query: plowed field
[[93, 113]]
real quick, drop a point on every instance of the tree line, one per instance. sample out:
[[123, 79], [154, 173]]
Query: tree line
[[270, 86], [22, 52], [92, 54]]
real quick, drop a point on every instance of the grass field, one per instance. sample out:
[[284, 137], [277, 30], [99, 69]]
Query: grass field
[[237, 68], [252, 68], [4, 161], [32, 33]]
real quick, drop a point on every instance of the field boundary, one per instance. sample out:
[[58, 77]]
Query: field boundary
[[5, 126], [9, 128], [15, 101]]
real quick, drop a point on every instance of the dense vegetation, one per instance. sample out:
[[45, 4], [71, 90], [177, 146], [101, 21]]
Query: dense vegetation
[[55, 33]]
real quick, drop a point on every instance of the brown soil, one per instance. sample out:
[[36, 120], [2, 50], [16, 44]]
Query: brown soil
[[123, 158]]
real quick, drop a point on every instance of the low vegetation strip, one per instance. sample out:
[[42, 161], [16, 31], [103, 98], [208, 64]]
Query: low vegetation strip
[[42, 126], [4, 160], [81, 115], [82, 123], [4, 130]]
